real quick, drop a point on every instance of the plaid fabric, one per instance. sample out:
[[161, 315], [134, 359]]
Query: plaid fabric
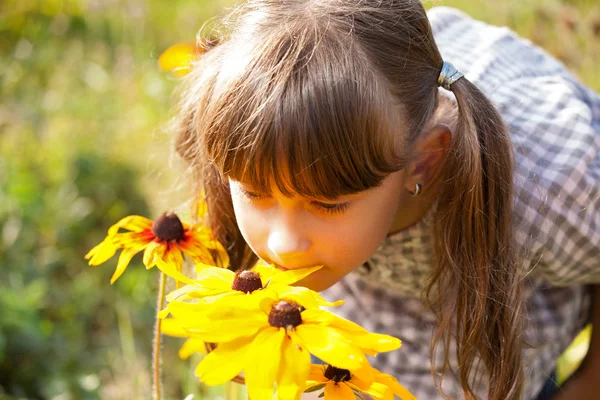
[[555, 126]]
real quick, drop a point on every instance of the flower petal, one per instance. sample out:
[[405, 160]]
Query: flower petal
[[215, 325], [134, 223], [295, 366], [375, 390], [305, 297], [171, 327], [172, 256], [124, 259], [191, 346], [265, 356], [171, 271], [225, 362], [155, 249], [330, 346], [316, 374], [395, 387], [370, 343], [293, 276], [338, 391], [101, 252]]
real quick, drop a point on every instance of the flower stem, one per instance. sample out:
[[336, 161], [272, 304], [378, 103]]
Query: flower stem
[[157, 337]]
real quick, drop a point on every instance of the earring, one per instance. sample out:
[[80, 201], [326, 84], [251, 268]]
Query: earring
[[417, 190]]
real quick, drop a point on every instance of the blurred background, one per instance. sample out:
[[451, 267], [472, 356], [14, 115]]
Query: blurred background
[[83, 142]]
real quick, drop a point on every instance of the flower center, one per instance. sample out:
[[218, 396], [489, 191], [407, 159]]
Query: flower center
[[337, 374], [285, 314], [246, 281], [168, 227]]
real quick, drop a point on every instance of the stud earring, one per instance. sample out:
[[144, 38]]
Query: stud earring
[[417, 190]]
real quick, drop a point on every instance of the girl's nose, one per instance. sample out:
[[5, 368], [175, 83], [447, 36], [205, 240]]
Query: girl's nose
[[287, 244]]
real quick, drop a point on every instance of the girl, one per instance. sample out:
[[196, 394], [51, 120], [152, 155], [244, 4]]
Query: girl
[[464, 220]]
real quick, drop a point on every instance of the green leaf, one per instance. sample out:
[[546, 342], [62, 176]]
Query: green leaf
[[315, 388]]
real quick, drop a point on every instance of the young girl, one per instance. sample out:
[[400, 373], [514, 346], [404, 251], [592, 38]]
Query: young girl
[[464, 220]]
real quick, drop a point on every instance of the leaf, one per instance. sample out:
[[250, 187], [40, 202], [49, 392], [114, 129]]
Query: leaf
[[315, 388]]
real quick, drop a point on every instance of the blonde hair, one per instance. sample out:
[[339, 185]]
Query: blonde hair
[[309, 95]]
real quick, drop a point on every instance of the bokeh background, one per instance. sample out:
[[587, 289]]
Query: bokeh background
[[83, 142]]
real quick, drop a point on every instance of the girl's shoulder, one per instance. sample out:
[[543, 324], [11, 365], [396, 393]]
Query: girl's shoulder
[[554, 122]]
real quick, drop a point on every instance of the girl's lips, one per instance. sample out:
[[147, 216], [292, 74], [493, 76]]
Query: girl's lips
[[280, 267]]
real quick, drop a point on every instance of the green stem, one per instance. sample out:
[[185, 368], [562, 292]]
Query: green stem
[[160, 300]]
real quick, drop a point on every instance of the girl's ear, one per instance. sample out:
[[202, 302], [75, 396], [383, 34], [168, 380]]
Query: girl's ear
[[430, 150]]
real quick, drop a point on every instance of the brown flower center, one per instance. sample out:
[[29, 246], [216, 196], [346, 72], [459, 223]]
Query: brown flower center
[[285, 314], [168, 227], [246, 281], [337, 374]]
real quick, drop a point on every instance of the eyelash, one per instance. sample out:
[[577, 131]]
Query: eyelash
[[323, 207]]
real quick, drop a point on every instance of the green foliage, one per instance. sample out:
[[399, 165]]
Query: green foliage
[[58, 314]]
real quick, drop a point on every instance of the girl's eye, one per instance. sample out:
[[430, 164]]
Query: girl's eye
[[330, 208], [252, 195]]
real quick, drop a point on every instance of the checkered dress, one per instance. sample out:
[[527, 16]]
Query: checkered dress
[[555, 127]]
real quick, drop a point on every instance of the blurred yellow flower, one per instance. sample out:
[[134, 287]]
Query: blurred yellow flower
[[342, 384], [164, 239], [177, 58], [271, 341]]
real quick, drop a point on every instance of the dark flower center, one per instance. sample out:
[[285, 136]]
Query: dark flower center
[[337, 374], [246, 281], [285, 314], [168, 227]]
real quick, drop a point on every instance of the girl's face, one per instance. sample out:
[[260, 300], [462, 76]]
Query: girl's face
[[303, 232]]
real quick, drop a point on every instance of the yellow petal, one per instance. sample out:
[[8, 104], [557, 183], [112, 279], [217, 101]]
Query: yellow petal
[[316, 374], [371, 343], [124, 259], [197, 246], [211, 281], [217, 326], [155, 249], [225, 362], [202, 207], [177, 58], [305, 297], [338, 391], [293, 276], [171, 271], [101, 252], [191, 346], [134, 223], [394, 386], [375, 390], [266, 355], [265, 270], [295, 366], [170, 327], [330, 346], [173, 257]]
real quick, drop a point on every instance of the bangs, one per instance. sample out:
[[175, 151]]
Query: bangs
[[307, 115]]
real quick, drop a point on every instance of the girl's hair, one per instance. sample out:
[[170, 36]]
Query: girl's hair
[[327, 97]]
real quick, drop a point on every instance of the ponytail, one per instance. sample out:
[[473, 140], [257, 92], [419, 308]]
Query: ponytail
[[476, 279]]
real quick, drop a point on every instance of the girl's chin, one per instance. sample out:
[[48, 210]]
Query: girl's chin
[[318, 282]]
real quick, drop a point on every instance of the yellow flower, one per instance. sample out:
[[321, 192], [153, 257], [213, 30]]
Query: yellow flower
[[192, 345], [214, 284], [272, 342], [342, 384], [177, 58], [164, 239]]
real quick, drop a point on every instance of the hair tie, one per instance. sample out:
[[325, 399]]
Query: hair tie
[[448, 75]]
